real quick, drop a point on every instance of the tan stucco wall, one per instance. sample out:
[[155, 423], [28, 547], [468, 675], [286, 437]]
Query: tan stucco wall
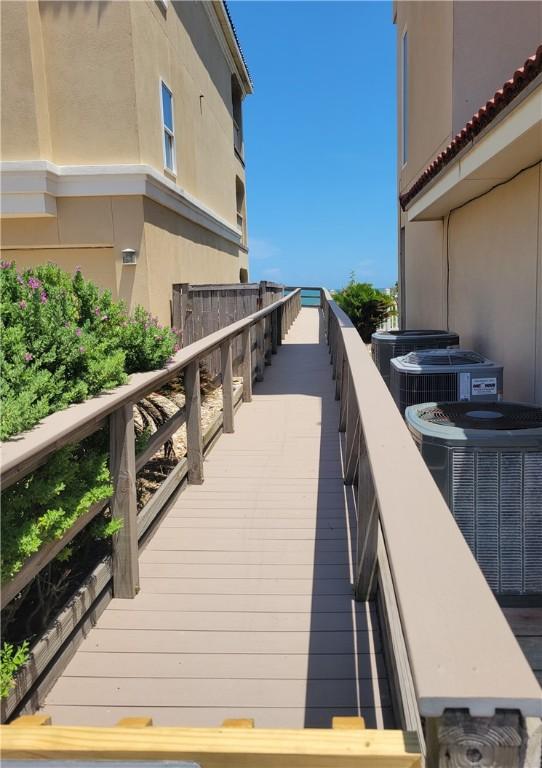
[[495, 263], [425, 275], [182, 252], [492, 39], [430, 39], [91, 232]]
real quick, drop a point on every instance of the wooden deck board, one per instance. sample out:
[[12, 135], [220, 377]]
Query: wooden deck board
[[246, 606], [526, 624]]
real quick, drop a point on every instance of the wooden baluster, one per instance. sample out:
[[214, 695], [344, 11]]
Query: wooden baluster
[[260, 350], [227, 387], [345, 384], [274, 332], [194, 442], [367, 538], [124, 502], [247, 366], [339, 373], [351, 433]]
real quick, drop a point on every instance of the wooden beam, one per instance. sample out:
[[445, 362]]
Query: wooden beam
[[242, 722], [31, 721], [124, 502], [135, 722], [194, 445], [218, 747], [247, 366], [227, 386], [348, 723]]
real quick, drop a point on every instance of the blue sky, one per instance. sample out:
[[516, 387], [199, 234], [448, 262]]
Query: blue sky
[[320, 140]]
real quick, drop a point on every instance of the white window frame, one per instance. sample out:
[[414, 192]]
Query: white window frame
[[404, 97], [166, 130]]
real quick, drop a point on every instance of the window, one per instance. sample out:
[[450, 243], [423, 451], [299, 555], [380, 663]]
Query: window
[[167, 128], [404, 97], [241, 208], [236, 100]]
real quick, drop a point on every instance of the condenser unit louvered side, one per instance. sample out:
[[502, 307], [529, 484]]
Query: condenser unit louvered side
[[444, 376], [385, 345], [487, 461], [495, 498]]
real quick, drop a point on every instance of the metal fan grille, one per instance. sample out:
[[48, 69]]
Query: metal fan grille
[[438, 357], [499, 416], [422, 388], [495, 500]]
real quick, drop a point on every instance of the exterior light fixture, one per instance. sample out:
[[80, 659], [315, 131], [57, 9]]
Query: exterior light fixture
[[129, 256]]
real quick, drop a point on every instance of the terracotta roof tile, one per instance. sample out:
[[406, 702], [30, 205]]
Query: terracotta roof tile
[[517, 83]]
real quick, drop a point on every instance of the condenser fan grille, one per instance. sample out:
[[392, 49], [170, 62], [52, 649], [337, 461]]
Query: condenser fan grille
[[443, 357], [500, 416]]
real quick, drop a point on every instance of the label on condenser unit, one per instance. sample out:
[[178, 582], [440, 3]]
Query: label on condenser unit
[[464, 386], [487, 386]]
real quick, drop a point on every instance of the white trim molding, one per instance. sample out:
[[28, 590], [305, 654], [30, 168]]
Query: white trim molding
[[30, 188]]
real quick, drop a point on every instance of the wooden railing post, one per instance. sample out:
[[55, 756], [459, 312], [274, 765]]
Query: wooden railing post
[[367, 539], [339, 371], [350, 464], [457, 739], [260, 352], [279, 314], [227, 387], [194, 442], [274, 332], [124, 501], [247, 365]]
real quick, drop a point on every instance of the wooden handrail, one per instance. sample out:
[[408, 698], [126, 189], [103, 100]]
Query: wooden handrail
[[24, 453], [461, 651]]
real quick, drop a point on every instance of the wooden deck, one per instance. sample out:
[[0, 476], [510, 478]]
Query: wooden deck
[[526, 624], [245, 608]]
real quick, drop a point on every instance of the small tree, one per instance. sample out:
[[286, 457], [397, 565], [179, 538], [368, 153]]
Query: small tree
[[366, 306]]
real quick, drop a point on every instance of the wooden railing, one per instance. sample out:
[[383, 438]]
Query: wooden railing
[[455, 663], [25, 453], [237, 743]]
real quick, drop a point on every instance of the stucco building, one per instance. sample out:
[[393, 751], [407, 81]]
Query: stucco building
[[122, 131], [470, 178]]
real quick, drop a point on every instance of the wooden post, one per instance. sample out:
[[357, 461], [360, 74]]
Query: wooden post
[[274, 332], [345, 383], [182, 313], [260, 362], [227, 387], [340, 370], [246, 365], [124, 501], [456, 739], [350, 442], [194, 442], [279, 325], [367, 539]]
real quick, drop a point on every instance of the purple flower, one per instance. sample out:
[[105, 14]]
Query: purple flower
[[176, 348], [43, 297], [22, 304], [20, 280], [78, 331], [97, 311], [34, 283], [77, 269], [81, 350], [5, 264], [105, 317], [28, 356]]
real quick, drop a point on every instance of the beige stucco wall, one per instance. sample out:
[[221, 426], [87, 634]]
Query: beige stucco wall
[[430, 39], [425, 275], [495, 263], [91, 232], [492, 39], [81, 86]]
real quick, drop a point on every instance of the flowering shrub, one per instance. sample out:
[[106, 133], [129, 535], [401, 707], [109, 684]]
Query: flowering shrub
[[64, 340]]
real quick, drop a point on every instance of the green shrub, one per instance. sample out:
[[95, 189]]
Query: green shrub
[[366, 306], [44, 505], [11, 660], [64, 340]]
